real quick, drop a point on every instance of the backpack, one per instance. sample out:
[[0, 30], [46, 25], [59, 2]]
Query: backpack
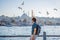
[[39, 29]]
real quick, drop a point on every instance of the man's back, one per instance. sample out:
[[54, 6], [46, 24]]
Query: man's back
[[33, 27]]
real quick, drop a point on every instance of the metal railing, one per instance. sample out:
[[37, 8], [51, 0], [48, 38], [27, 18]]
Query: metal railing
[[44, 35]]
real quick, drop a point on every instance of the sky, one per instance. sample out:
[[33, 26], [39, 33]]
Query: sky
[[39, 7]]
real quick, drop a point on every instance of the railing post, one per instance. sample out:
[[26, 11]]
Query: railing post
[[44, 35]]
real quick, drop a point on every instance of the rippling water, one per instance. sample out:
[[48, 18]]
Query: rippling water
[[16, 30]]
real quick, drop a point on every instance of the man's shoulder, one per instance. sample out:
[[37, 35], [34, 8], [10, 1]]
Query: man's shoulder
[[35, 24]]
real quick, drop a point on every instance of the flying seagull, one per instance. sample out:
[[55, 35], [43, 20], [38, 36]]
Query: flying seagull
[[22, 3], [55, 9], [47, 13], [20, 8]]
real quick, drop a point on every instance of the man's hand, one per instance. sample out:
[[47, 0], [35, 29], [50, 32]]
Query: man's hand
[[34, 31]]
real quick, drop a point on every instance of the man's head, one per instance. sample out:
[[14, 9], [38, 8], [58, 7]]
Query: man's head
[[33, 19]]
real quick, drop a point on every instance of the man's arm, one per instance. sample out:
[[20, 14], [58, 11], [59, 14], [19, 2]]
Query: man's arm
[[34, 31]]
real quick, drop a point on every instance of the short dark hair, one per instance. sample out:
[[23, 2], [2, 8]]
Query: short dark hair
[[34, 19]]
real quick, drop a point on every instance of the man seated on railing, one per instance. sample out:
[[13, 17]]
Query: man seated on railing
[[35, 29]]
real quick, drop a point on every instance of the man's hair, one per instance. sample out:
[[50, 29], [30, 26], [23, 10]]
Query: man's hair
[[34, 19]]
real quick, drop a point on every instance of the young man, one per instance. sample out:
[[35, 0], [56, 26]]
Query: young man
[[34, 30]]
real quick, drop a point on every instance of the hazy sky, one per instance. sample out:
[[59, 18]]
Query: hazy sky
[[10, 7]]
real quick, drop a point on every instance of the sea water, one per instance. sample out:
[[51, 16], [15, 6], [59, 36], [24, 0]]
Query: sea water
[[26, 30]]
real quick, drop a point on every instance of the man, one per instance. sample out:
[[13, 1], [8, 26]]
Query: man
[[34, 30]]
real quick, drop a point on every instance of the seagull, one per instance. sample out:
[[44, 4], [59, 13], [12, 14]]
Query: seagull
[[55, 9], [20, 8], [47, 13], [22, 3]]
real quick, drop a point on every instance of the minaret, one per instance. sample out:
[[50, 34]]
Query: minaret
[[32, 14], [28, 13]]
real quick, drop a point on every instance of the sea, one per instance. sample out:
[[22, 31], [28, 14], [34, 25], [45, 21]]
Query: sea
[[26, 30]]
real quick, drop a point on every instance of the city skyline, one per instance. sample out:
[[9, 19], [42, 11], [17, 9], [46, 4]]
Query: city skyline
[[41, 7]]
